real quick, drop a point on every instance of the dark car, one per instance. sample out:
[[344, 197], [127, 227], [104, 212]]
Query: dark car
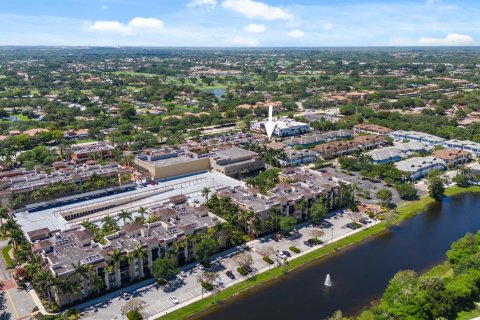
[[287, 253], [248, 269], [308, 243], [230, 275]]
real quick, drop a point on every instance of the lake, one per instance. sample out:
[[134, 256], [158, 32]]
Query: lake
[[360, 273]]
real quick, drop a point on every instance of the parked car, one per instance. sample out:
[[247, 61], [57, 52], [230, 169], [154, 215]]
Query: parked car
[[365, 220], [219, 281], [230, 275], [277, 237], [248, 269], [183, 274], [310, 243], [200, 266], [285, 252], [173, 299], [280, 254]]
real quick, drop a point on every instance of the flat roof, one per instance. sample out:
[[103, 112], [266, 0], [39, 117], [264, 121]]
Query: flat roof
[[168, 161], [190, 186]]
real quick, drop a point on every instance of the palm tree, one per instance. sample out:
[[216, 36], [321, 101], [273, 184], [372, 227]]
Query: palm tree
[[109, 224], [3, 215], [205, 193], [142, 211], [69, 289], [45, 282], [116, 257], [16, 237], [301, 205], [136, 253], [124, 215]]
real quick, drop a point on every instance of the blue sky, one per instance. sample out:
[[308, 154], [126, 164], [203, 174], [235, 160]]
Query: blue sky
[[230, 23]]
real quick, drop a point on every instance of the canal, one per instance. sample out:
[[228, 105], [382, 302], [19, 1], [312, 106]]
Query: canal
[[360, 273]]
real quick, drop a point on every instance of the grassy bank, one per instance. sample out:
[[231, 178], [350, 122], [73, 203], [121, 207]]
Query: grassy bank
[[406, 211], [6, 256]]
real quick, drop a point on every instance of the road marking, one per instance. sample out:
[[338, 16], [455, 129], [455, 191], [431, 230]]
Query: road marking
[[9, 298]]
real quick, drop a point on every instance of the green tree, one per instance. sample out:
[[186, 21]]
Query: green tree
[[205, 249], [318, 212], [287, 224], [436, 188], [461, 180], [385, 197], [164, 268], [406, 191]]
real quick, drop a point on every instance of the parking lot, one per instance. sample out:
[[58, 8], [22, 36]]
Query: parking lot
[[370, 187], [187, 289]]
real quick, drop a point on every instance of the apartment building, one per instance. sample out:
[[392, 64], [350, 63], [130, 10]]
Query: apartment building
[[418, 167], [373, 129], [469, 146], [425, 138], [396, 153], [91, 152], [61, 250], [315, 139], [452, 156]]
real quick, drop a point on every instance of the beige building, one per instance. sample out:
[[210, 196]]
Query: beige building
[[232, 162]]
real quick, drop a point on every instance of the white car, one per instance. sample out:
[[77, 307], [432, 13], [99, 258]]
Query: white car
[[219, 281], [200, 266], [281, 255], [173, 299], [183, 274]]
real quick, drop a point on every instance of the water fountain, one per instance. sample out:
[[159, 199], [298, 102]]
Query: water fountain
[[328, 281]]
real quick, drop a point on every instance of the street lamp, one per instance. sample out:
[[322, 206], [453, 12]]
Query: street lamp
[[331, 240]]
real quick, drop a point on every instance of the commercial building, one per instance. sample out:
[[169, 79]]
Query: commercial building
[[234, 162], [62, 249], [418, 167], [167, 164], [284, 127], [21, 182]]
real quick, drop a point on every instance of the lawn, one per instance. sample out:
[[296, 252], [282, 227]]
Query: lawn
[[6, 256]]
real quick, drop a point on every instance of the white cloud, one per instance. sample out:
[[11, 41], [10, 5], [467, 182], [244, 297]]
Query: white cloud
[[245, 42], [108, 27], [146, 23], [255, 28], [257, 10], [328, 26], [297, 33], [104, 7], [453, 39], [202, 3], [132, 27], [432, 2]]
